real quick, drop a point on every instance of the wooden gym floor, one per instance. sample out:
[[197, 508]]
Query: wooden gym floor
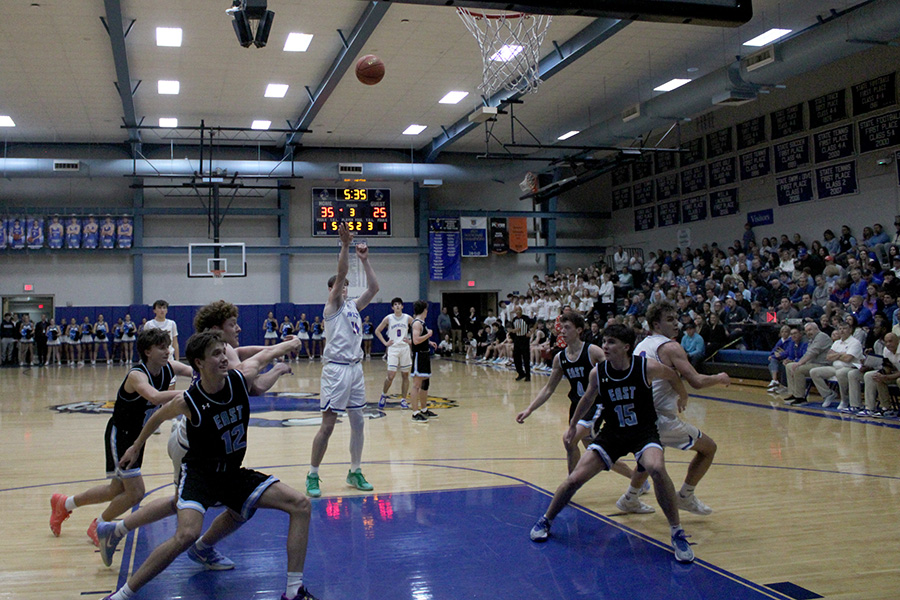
[[802, 497]]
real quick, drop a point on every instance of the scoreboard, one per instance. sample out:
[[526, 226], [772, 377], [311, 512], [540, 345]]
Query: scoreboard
[[366, 211]]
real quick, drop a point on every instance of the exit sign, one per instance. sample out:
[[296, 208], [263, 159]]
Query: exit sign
[[28, 287]]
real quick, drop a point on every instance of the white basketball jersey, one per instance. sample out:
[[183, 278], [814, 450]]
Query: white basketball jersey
[[398, 329], [665, 398], [343, 330]]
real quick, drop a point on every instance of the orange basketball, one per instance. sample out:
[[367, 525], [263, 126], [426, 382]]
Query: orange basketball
[[369, 69]]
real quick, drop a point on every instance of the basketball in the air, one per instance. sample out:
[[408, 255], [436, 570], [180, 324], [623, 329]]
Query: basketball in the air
[[369, 69]]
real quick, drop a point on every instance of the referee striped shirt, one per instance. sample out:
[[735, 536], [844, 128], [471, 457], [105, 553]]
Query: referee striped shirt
[[520, 326]]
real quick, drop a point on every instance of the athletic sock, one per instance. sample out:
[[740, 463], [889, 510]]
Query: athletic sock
[[121, 529], [632, 493], [124, 593], [294, 583], [314, 470], [70, 503], [200, 546], [687, 491]]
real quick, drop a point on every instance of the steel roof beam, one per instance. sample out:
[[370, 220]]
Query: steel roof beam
[[565, 54], [350, 47], [116, 30]]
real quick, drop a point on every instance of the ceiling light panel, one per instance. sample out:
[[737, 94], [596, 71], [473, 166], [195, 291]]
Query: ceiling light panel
[[453, 97], [260, 124], [168, 36], [297, 42], [671, 85], [767, 37], [507, 53], [6, 121], [415, 129], [276, 90], [566, 136], [166, 86], [168, 122]]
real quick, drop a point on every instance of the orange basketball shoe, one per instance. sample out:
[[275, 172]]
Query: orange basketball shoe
[[58, 512]]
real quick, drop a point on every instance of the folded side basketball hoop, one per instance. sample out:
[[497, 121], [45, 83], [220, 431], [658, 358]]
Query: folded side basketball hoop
[[510, 48]]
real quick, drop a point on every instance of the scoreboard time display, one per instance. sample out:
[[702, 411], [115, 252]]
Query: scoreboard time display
[[366, 211]]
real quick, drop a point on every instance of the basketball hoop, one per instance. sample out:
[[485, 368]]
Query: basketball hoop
[[510, 48], [218, 276], [529, 185]]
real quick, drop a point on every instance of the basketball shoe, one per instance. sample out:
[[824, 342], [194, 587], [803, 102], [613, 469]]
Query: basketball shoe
[[312, 485], [358, 481], [210, 558], [92, 533], [58, 512]]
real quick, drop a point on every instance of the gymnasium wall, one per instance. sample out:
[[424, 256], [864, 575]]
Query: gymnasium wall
[[878, 199]]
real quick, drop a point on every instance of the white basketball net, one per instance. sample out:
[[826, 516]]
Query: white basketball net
[[510, 48]]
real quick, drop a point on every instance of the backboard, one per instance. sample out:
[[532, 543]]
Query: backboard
[[229, 259], [718, 13]]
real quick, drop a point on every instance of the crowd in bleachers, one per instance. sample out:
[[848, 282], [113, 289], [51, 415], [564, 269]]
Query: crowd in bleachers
[[737, 296]]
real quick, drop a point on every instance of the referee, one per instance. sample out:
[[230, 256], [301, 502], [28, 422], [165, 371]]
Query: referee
[[520, 326]]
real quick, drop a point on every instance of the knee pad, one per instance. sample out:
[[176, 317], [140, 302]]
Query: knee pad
[[425, 384]]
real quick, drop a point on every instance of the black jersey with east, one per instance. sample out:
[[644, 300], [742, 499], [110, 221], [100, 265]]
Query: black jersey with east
[[217, 427], [577, 372], [626, 400], [423, 345], [132, 410]]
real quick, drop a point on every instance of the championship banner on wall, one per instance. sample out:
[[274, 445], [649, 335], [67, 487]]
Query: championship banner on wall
[[518, 234], [444, 250], [499, 236], [474, 237]]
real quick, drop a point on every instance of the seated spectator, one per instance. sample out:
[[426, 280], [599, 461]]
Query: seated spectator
[[717, 336], [693, 345], [822, 292], [863, 315], [780, 355], [445, 348], [786, 311], [875, 383], [808, 310], [845, 355], [471, 346], [795, 372]]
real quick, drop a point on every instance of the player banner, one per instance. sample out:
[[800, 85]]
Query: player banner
[[35, 239], [444, 262], [474, 237], [518, 234], [499, 235], [16, 230]]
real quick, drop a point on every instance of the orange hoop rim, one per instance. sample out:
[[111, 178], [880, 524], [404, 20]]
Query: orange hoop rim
[[218, 273], [483, 15]]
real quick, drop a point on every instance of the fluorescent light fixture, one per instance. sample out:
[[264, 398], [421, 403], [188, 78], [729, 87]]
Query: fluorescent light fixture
[[768, 37], [566, 136], [168, 122], [453, 97], [260, 124], [168, 36], [164, 86], [276, 90], [507, 53], [6, 121], [297, 42], [671, 85], [415, 129]]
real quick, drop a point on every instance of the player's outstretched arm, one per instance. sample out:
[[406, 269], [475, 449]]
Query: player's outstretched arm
[[181, 369], [251, 367], [336, 295], [556, 376], [362, 252], [169, 411], [137, 382], [675, 355]]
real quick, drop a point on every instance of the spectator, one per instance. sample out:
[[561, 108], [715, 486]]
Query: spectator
[[456, 329], [795, 373], [8, 334], [875, 382], [808, 310], [716, 337], [845, 355], [443, 323], [693, 345], [786, 311]]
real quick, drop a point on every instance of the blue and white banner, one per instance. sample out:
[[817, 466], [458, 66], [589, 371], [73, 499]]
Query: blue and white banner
[[474, 237], [444, 262]]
